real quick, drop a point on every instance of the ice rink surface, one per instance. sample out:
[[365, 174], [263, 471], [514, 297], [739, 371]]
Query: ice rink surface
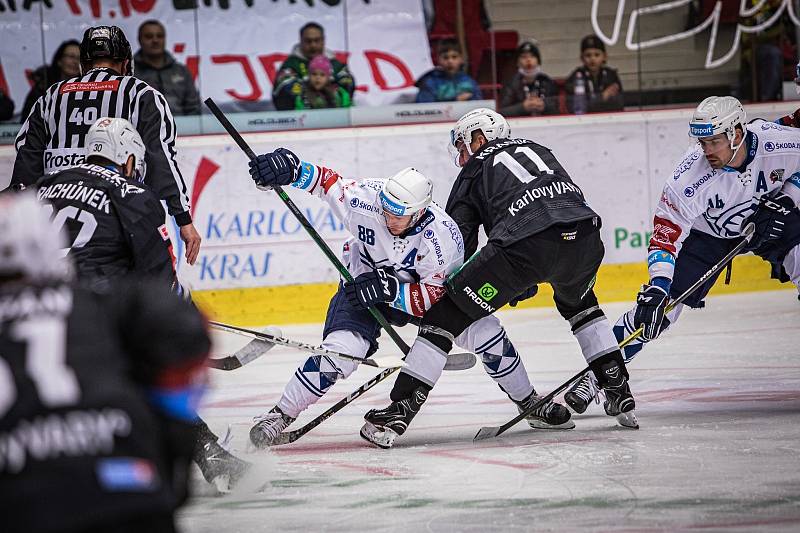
[[718, 401]]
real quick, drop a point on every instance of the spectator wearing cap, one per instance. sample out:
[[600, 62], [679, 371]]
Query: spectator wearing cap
[[448, 82], [320, 90], [159, 69], [603, 87], [294, 71], [530, 92]]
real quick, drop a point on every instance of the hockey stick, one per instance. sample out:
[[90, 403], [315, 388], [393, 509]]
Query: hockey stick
[[489, 432], [239, 140], [267, 338]]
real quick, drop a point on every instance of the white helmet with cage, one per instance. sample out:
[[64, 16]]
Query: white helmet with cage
[[115, 139], [491, 123], [30, 247], [406, 193], [715, 115]]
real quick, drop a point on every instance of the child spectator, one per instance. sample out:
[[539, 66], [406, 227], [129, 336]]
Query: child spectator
[[447, 82], [530, 92], [320, 91], [602, 89]]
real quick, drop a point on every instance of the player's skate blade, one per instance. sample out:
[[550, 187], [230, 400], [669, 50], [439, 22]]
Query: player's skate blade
[[382, 437]]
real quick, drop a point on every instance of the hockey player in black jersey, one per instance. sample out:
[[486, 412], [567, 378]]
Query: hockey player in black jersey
[[53, 136], [540, 229], [98, 390], [115, 226]]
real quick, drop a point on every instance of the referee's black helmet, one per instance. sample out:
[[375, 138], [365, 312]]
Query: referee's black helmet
[[106, 42]]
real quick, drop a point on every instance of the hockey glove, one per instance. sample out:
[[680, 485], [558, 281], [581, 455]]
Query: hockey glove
[[651, 302], [371, 288], [280, 167], [530, 292], [770, 218]]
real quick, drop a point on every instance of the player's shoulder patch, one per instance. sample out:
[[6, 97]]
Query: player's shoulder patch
[[694, 157], [775, 139]]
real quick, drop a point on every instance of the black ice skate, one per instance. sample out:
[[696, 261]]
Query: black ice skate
[[549, 415], [619, 399], [582, 393], [384, 425], [219, 467], [268, 426]]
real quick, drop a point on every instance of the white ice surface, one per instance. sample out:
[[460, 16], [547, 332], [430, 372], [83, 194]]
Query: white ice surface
[[718, 401]]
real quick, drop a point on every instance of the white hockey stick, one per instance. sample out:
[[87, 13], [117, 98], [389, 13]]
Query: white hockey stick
[[387, 361], [249, 352]]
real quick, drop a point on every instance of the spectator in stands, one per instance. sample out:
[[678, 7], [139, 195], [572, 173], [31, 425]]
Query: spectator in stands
[[530, 92], [602, 88], [320, 90], [448, 82], [159, 69], [294, 71], [66, 64], [6, 106]]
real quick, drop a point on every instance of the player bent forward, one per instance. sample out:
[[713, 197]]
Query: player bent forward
[[403, 249], [533, 237], [735, 174]]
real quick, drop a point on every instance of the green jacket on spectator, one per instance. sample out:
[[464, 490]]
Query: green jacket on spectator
[[289, 80]]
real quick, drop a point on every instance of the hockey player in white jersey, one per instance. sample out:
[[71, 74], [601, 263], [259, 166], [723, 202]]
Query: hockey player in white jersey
[[734, 175], [402, 250]]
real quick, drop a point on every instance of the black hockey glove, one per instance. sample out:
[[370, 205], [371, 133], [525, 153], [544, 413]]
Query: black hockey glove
[[280, 167], [530, 292], [770, 218], [651, 302], [371, 288]]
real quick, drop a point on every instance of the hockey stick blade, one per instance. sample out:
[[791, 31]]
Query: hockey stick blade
[[250, 352], [489, 432], [460, 361]]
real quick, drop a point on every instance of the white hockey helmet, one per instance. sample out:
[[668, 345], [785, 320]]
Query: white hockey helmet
[[29, 245], [406, 193], [717, 114], [491, 123], [115, 139]]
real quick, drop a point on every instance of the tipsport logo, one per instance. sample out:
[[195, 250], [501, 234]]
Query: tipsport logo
[[701, 130]]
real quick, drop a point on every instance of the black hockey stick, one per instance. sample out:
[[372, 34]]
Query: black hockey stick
[[267, 338], [489, 432]]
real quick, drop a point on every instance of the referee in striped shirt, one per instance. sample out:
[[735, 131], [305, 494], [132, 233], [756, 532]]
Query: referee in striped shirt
[[53, 137]]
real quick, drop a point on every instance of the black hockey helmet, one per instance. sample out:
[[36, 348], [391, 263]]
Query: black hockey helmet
[[106, 42]]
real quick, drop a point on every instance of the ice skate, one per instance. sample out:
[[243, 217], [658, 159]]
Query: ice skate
[[619, 399], [268, 426], [550, 415], [383, 426], [582, 393], [219, 467]]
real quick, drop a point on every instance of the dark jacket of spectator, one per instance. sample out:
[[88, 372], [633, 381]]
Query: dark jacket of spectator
[[294, 71], [65, 65], [173, 80], [6, 106], [595, 85], [520, 87], [438, 86]]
